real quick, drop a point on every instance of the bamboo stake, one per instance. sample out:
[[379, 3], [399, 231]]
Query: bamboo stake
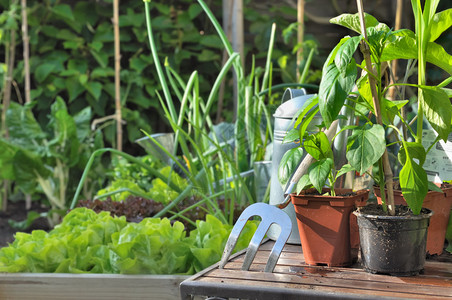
[[26, 54], [117, 75], [300, 34], [26, 50], [385, 158], [10, 53]]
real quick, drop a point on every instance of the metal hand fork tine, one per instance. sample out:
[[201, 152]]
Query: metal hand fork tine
[[269, 215]]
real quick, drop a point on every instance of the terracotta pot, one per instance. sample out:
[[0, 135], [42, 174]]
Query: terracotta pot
[[440, 204], [324, 225]]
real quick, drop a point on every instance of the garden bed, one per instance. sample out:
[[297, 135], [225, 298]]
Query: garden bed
[[89, 286]]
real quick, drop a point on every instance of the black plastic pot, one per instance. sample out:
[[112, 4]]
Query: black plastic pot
[[393, 245]]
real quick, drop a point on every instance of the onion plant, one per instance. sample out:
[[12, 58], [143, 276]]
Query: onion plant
[[208, 160], [215, 168]]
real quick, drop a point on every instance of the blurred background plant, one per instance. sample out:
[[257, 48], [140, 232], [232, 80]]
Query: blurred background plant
[[71, 58]]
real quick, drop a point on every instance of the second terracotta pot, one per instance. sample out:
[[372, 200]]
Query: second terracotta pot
[[324, 225], [440, 204]]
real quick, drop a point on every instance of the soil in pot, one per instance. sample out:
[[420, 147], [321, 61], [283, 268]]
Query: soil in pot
[[393, 245], [440, 204], [324, 225]]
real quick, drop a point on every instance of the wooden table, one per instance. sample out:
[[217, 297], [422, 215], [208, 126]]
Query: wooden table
[[293, 279]]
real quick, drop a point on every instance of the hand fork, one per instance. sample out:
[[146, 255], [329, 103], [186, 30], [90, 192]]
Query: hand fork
[[269, 214]]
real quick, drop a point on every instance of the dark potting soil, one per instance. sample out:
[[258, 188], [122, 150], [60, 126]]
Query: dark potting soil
[[444, 185], [377, 210], [314, 192]]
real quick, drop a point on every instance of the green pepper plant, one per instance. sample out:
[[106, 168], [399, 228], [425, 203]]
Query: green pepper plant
[[367, 144]]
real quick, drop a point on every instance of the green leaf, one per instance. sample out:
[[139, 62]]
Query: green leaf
[[208, 55], [65, 144], [291, 136], [24, 130], [414, 184], [365, 147], [345, 169], [94, 88], [7, 160], [437, 110], [318, 146], [211, 41], [415, 151], [307, 114], [334, 89], [194, 10], [364, 89], [27, 165], [440, 23], [80, 65], [43, 71], [102, 73], [318, 173], [434, 187], [392, 108], [302, 183], [345, 54], [136, 63], [402, 45], [82, 121], [83, 79], [289, 162], [332, 56], [352, 21], [25, 224], [63, 10], [439, 57], [74, 88], [448, 92]]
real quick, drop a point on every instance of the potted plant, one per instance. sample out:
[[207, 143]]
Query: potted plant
[[402, 248], [323, 214]]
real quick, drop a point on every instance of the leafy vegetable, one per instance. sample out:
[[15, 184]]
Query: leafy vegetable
[[41, 159], [129, 177], [86, 242]]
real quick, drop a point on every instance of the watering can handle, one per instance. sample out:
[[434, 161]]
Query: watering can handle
[[293, 93], [304, 165]]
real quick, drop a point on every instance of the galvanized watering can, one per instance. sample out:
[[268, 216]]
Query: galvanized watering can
[[292, 101]]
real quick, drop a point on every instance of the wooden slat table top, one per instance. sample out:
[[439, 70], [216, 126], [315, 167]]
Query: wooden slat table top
[[292, 278]]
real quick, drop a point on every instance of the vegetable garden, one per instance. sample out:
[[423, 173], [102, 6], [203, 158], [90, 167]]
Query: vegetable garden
[[134, 139]]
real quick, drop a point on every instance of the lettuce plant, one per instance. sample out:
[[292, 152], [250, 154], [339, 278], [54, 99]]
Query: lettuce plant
[[87, 242]]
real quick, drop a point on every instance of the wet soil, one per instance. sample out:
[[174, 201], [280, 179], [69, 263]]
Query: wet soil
[[400, 210], [16, 211]]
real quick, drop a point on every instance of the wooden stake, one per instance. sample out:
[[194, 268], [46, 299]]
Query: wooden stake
[[385, 158], [10, 53], [117, 75], [26, 54], [300, 34], [26, 50]]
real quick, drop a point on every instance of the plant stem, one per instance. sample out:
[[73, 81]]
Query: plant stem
[[158, 66], [376, 101]]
